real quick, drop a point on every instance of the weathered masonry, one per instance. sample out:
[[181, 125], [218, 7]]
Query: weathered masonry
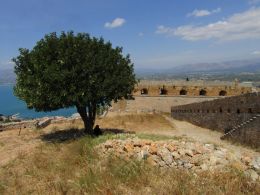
[[237, 117], [191, 88]]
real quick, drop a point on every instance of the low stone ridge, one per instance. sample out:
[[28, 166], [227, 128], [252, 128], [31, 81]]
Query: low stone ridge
[[35, 123], [181, 155]]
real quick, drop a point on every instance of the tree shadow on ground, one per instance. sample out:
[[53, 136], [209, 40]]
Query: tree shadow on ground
[[74, 134], [116, 131]]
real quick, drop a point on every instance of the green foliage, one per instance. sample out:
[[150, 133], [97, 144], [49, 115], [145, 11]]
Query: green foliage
[[69, 70], [158, 137]]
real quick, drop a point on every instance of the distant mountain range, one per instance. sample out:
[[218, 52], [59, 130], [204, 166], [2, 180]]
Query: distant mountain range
[[230, 66], [236, 66]]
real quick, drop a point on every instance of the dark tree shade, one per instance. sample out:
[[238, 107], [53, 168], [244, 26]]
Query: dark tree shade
[[69, 70]]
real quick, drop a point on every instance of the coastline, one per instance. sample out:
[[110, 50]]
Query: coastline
[[7, 84], [11, 105]]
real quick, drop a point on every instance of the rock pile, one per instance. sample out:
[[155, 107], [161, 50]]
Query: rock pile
[[180, 154]]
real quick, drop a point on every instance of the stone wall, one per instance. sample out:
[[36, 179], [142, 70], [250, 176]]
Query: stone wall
[[190, 88], [226, 114]]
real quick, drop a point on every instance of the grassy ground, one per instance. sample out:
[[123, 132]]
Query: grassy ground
[[14, 142], [74, 167], [64, 161], [127, 122]]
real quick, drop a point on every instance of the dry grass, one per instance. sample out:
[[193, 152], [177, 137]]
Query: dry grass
[[11, 143], [74, 167], [137, 122], [129, 122], [63, 125], [66, 163]]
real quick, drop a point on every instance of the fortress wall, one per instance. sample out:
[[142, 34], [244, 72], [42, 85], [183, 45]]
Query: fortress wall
[[191, 88], [249, 135], [223, 114]]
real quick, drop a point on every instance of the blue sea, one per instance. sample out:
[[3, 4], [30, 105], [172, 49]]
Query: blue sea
[[10, 104]]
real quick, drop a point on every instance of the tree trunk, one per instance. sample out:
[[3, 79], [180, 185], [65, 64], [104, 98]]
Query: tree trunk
[[88, 116]]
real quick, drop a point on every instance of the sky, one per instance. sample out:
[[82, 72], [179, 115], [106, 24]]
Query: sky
[[157, 34]]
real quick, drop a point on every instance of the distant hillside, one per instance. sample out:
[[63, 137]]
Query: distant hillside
[[228, 69], [229, 66], [237, 66], [7, 76]]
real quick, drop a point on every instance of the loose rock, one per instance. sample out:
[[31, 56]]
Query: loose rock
[[180, 155]]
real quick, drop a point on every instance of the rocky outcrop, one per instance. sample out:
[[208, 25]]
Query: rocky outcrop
[[181, 155], [6, 119], [44, 122], [17, 125], [34, 123]]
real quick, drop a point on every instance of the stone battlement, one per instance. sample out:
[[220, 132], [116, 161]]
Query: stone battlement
[[239, 114], [191, 88]]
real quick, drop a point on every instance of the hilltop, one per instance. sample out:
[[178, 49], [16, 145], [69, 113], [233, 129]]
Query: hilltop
[[60, 159]]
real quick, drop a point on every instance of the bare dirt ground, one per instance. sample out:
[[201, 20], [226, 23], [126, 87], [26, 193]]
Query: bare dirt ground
[[12, 144], [159, 103]]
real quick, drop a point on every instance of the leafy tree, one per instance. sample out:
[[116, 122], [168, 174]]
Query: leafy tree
[[70, 70]]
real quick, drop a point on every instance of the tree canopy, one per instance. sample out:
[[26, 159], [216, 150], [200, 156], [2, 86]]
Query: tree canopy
[[69, 70]]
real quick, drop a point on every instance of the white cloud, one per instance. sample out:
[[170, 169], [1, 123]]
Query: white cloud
[[203, 12], [239, 26], [115, 23], [256, 53]]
